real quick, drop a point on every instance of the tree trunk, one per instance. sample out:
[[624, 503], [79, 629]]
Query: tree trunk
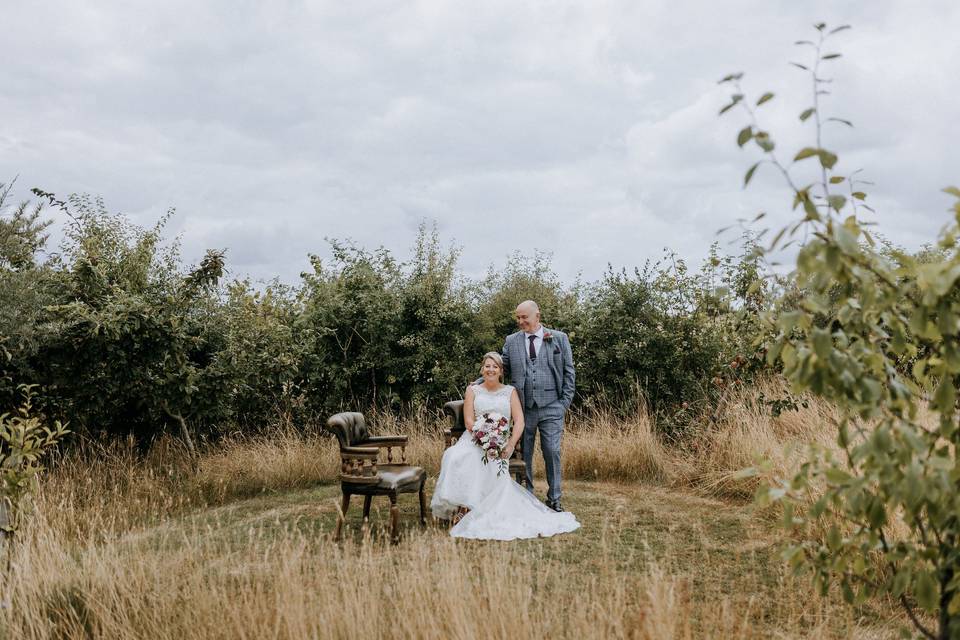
[[184, 430]]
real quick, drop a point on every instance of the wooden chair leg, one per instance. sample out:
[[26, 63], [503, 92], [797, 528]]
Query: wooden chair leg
[[342, 516], [423, 505], [394, 519]]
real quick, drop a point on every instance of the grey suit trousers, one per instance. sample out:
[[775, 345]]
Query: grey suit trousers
[[548, 421]]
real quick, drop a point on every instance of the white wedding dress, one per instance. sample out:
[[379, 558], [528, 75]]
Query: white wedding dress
[[500, 509]]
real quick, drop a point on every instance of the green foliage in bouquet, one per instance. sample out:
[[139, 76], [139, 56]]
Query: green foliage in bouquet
[[877, 332]]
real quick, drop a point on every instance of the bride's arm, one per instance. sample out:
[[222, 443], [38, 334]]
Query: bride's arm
[[468, 408], [516, 412]]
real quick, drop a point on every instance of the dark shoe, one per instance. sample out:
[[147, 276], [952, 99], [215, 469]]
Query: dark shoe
[[555, 505]]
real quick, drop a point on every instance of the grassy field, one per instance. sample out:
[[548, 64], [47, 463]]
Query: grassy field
[[237, 545]]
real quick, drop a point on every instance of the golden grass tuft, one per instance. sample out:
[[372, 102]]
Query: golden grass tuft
[[605, 448]]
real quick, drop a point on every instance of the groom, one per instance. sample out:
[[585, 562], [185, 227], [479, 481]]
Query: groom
[[539, 364]]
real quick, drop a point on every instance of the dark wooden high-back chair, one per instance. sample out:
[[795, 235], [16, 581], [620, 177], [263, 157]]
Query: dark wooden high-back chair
[[363, 472], [454, 411]]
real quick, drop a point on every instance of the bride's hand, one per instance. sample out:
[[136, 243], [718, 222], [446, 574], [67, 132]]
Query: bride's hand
[[507, 452]]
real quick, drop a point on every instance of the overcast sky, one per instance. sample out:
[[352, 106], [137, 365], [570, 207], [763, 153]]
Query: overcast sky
[[588, 130]]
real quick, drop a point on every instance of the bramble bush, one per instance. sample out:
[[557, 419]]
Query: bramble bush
[[877, 333]]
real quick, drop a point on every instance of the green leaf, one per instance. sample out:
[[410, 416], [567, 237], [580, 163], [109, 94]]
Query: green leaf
[[952, 191], [799, 66], [839, 29], [847, 591], [765, 98], [954, 607], [807, 113], [762, 138], [831, 56], [945, 397], [837, 179], [920, 369], [837, 476], [925, 591], [822, 343], [749, 175], [841, 121], [744, 136], [731, 77], [827, 159], [877, 514], [859, 195], [733, 102], [810, 209], [833, 538], [836, 202]]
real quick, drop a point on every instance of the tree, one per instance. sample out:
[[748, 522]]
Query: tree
[[866, 310]]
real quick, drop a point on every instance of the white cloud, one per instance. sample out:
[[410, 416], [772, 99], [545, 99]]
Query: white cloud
[[273, 125]]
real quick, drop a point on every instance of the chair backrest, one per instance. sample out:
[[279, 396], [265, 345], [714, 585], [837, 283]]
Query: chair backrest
[[349, 427], [454, 410]]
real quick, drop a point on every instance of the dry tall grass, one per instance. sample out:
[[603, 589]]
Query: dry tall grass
[[208, 579], [747, 436], [123, 546]]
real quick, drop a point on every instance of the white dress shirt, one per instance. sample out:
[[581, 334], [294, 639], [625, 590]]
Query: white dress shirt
[[536, 343]]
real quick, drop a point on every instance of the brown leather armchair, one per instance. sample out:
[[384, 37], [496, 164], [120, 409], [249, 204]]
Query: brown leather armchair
[[454, 410], [362, 471]]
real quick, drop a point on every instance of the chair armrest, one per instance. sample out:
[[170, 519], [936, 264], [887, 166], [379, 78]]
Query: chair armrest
[[359, 452], [358, 465], [388, 443]]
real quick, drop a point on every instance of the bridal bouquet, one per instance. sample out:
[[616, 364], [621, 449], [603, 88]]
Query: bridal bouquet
[[491, 432]]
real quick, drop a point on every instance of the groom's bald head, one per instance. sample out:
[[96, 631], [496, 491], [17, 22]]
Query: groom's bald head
[[528, 316]]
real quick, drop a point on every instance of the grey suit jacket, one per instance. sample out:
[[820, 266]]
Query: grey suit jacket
[[559, 359]]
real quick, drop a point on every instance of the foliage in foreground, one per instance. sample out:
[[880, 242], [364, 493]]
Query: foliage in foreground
[[24, 442], [877, 333]]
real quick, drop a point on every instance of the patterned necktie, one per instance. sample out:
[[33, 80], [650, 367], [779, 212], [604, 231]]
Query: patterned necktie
[[533, 352]]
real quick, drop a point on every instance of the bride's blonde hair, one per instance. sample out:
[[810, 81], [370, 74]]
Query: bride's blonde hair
[[496, 357]]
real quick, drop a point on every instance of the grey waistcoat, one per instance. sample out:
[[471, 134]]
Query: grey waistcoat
[[539, 385]]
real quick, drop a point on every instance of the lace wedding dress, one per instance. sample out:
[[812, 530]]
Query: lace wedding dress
[[500, 509]]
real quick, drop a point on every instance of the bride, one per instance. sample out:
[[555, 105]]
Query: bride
[[499, 508]]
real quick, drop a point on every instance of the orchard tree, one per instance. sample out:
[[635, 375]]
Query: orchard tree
[[877, 333]]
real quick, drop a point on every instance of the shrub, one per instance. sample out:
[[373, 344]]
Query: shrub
[[888, 504]]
